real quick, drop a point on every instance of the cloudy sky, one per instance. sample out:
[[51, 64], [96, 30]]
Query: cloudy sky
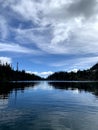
[[49, 35]]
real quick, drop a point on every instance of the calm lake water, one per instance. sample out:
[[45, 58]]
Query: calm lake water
[[49, 106]]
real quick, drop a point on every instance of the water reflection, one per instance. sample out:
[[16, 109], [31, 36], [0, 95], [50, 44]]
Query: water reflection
[[44, 86], [7, 88], [48, 106], [77, 86]]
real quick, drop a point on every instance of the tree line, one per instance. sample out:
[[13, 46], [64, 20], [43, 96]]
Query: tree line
[[89, 74], [7, 73]]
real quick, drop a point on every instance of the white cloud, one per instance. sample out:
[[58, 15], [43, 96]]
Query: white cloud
[[58, 26], [86, 62], [45, 74], [5, 60], [3, 28], [73, 70], [5, 47], [42, 74], [75, 64], [72, 25], [33, 35], [27, 9]]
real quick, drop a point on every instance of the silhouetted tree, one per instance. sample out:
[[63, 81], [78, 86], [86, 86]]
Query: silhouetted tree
[[90, 74], [8, 74]]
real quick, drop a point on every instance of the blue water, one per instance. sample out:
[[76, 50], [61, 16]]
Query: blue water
[[49, 106]]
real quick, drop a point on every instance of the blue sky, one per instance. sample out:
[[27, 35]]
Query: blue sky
[[45, 36]]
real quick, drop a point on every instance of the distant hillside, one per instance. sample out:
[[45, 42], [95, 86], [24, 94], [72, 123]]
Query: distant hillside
[[89, 74], [95, 67], [8, 74]]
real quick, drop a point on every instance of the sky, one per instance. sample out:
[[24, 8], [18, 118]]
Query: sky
[[45, 36]]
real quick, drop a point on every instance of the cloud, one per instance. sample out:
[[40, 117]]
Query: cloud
[[83, 8], [73, 70], [42, 74], [3, 28], [22, 8], [3, 103], [57, 27], [16, 48], [5, 60], [86, 62], [43, 86], [69, 32], [75, 63], [45, 74], [9, 116]]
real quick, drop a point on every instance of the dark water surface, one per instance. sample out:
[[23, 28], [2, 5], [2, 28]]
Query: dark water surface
[[49, 106]]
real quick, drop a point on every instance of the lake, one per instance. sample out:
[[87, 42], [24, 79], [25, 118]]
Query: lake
[[47, 105]]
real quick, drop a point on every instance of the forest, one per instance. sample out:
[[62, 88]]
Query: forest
[[89, 74], [7, 73]]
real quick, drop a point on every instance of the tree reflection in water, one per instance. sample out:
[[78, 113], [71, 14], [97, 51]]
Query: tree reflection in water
[[81, 86], [7, 88]]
